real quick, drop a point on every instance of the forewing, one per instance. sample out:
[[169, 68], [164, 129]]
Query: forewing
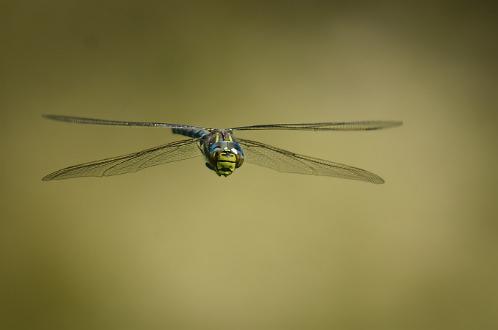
[[285, 161], [172, 152], [95, 121], [328, 126]]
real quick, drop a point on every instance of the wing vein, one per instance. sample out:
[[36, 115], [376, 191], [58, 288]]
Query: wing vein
[[326, 126], [285, 161], [174, 151]]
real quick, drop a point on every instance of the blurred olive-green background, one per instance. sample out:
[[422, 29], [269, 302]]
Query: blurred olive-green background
[[176, 247]]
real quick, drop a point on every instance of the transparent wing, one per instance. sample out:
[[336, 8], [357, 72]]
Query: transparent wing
[[94, 121], [281, 160], [329, 126], [172, 152]]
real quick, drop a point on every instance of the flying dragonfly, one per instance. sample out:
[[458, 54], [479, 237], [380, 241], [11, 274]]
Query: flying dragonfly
[[223, 152]]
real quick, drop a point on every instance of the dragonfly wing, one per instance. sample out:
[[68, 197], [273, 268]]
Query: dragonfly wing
[[172, 152], [328, 126], [281, 160], [94, 121]]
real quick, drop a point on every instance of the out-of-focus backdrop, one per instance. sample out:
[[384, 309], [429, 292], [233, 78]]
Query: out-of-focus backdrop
[[176, 247]]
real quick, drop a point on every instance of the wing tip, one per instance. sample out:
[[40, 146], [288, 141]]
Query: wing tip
[[50, 177], [378, 125], [378, 180], [55, 117], [375, 179], [47, 116], [55, 176]]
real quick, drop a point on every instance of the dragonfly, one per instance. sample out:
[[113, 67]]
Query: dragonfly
[[222, 151]]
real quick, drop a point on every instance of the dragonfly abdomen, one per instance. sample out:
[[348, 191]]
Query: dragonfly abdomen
[[193, 132]]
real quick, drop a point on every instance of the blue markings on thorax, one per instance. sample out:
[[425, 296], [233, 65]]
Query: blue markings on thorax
[[192, 132]]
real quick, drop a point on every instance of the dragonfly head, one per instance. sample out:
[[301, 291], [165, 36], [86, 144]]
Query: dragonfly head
[[226, 162], [225, 158]]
